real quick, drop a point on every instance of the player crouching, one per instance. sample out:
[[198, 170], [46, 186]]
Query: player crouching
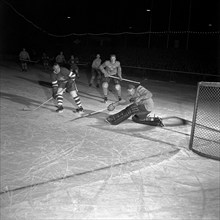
[[142, 105]]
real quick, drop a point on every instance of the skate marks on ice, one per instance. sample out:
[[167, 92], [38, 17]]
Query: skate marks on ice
[[83, 94], [57, 159], [21, 100], [176, 136]]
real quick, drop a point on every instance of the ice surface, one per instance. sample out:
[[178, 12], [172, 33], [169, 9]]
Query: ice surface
[[55, 167]]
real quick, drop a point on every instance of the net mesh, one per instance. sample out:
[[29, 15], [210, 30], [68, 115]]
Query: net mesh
[[205, 134]]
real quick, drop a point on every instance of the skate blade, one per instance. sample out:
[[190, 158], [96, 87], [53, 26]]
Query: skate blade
[[59, 111]]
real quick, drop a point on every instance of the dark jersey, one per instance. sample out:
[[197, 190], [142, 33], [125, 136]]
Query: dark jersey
[[63, 76]]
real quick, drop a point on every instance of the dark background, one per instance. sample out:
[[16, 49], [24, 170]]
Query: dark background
[[176, 34]]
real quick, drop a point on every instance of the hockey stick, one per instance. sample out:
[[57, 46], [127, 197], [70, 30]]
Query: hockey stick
[[127, 80], [96, 112], [28, 109], [30, 61]]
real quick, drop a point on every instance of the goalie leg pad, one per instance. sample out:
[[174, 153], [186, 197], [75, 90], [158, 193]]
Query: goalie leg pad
[[123, 115], [152, 121]]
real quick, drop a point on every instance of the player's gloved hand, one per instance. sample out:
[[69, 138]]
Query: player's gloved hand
[[120, 78], [132, 100], [106, 74]]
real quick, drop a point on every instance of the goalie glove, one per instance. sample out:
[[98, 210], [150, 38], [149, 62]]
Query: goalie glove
[[112, 106]]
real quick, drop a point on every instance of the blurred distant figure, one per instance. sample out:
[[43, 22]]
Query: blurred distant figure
[[76, 60], [73, 65], [45, 60], [60, 59], [24, 58], [96, 72]]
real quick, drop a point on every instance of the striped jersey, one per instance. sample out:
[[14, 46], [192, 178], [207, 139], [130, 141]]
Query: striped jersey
[[143, 96]]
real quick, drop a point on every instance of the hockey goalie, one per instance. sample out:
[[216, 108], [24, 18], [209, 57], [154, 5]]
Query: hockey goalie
[[141, 106]]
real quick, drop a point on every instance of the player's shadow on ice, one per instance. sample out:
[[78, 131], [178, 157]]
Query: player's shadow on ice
[[20, 99], [174, 121], [39, 82], [130, 128], [81, 93]]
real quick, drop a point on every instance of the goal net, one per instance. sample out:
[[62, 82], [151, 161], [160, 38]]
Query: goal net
[[205, 132]]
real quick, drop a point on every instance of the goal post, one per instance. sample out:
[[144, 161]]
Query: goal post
[[205, 131]]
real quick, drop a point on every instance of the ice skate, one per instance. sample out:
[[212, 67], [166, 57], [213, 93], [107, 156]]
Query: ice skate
[[105, 100], [78, 110], [59, 109]]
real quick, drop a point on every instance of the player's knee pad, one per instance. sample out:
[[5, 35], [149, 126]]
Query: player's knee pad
[[73, 93], [118, 87], [104, 85]]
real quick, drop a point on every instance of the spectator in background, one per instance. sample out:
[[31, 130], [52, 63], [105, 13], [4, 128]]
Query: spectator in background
[[60, 59]]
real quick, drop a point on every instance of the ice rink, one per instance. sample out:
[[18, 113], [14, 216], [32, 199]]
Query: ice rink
[[54, 166]]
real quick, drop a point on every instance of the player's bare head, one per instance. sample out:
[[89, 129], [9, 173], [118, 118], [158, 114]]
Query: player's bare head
[[131, 89], [98, 55], [56, 68], [113, 58]]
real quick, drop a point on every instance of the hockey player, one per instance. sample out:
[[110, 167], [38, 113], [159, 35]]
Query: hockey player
[[96, 73], [73, 65], [111, 67], [60, 59], [62, 78], [24, 58], [141, 107], [45, 60]]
